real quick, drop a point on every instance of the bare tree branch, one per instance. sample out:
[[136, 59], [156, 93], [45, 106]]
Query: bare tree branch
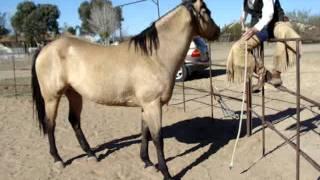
[[104, 20]]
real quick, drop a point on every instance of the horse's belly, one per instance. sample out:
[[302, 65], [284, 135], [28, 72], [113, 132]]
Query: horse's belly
[[116, 102], [104, 89], [113, 98]]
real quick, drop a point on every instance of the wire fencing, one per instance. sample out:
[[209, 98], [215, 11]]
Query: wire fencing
[[15, 72]]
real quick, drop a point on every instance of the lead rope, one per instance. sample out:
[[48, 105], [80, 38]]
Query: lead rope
[[242, 105], [226, 110]]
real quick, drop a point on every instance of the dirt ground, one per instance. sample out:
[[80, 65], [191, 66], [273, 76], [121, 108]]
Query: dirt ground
[[196, 146]]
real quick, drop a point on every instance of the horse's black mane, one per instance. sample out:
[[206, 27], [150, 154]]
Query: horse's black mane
[[148, 39]]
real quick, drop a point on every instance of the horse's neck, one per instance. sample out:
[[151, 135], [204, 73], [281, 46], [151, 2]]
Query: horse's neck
[[175, 35]]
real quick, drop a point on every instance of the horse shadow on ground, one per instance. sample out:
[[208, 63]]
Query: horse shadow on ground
[[306, 125], [276, 118], [206, 74], [199, 132]]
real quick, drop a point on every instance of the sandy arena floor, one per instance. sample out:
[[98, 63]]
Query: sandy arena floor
[[196, 147]]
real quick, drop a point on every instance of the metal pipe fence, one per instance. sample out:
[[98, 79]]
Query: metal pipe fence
[[268, 124], [264, 122], [15, 73]]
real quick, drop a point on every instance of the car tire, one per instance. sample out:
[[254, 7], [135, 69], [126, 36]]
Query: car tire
[[182, 74]]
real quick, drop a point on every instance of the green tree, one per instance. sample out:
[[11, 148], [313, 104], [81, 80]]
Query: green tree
[[49, 15], [3, 30], [35, 22], [299, 16], [304, 17], [315, 20], [306, 24], [71, 30], [23, 10], [84, 14], [233, 30]]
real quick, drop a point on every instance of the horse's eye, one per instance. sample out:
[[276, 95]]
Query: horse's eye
[[206, 11]]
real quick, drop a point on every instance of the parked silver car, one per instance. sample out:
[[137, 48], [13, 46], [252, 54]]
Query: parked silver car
[[197, 59]]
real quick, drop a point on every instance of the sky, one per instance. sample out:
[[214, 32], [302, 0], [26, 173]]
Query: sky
[[139, 16]]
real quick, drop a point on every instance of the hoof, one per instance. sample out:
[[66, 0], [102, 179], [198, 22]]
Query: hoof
[[256, 89], [157, 167], [276, 82], [148, 164], [59, 165], [169, 178], [92, 159], [151, 169]]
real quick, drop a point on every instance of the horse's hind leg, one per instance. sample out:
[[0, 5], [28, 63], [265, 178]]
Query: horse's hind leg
[[152, 115], [75, 107], [51, 114]]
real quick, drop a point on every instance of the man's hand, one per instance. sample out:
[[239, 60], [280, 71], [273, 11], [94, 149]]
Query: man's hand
[[249, 33]]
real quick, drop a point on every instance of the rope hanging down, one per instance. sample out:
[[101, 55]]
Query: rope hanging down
[[242, 105]]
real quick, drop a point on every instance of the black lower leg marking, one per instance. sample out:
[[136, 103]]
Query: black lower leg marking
[[144, 151], [52, 144], [75, 122], [158, 142]]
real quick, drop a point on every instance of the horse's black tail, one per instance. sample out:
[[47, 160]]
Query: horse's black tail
[[38, 100]]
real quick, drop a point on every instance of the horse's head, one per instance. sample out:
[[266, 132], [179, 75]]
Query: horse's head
[[201, 17]]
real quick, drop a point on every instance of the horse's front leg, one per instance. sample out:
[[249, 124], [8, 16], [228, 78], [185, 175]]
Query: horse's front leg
[[145, 137], [152, 115]]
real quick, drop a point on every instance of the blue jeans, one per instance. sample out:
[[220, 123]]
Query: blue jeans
[[263, 35]]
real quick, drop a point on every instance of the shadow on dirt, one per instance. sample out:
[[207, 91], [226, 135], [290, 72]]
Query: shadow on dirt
[[205, 74], [277, 117], [201, 132], [198, 131]]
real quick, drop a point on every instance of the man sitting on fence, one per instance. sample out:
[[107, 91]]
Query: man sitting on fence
[[267, 21]]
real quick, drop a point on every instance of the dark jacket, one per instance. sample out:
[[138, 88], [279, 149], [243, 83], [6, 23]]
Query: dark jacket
[[256, 13]]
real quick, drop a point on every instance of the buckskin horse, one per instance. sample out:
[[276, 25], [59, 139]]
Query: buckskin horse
[[139, 72]]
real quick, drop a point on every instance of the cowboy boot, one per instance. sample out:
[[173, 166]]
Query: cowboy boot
[[276, 78], [262, 77], [273, 78]]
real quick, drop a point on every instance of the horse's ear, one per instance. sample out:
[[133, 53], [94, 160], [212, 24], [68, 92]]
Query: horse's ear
[[189, 1], [197, 4]]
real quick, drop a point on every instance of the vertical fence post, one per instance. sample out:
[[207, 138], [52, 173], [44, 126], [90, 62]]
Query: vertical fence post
[[298, 108], [183, 96], [249, 106], [263, 105], [14, 75], [211, 86]]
